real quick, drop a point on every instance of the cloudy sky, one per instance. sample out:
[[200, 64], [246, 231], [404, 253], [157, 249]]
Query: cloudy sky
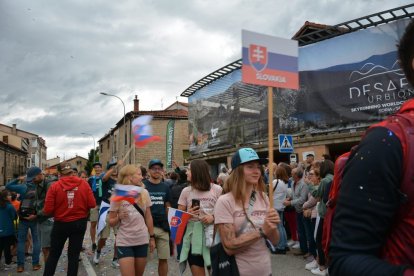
[[56, 56]]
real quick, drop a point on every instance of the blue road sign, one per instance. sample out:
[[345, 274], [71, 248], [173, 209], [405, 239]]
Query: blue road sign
[[285, 143]]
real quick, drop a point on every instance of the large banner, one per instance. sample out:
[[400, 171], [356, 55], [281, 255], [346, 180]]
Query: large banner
[[170, 143], [346, 82]]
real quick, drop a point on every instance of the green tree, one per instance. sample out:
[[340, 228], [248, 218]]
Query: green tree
[[92, 153]]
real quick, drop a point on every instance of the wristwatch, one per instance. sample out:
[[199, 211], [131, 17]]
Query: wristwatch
[[262, 234], [152, 236]]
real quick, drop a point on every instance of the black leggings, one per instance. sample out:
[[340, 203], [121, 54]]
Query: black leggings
[[319, 247], [5, 244]]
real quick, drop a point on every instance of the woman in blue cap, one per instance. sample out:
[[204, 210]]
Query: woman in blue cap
[[244, 217]]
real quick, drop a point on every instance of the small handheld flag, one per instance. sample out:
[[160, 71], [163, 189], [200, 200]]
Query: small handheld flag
[[103, 211], [178, 221], [142, 131], [126, 192]]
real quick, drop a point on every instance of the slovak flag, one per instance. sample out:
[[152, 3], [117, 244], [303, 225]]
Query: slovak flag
[[142, 131], [178, 221], [126, 192]]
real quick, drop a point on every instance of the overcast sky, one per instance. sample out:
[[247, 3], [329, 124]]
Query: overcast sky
[[56, 56]]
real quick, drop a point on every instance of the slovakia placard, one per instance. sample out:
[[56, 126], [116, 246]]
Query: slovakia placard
[[269, 61]]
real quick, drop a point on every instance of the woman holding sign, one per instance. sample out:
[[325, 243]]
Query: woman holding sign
[[244, 217], [130, 210], [198, 199]]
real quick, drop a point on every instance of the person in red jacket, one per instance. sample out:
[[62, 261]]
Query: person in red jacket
[[68, 200]]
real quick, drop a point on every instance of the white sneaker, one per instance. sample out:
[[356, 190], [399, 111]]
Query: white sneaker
[[317, 271], [291, 242], [96, 257], [115, 264], [312, 265], [296, 245]]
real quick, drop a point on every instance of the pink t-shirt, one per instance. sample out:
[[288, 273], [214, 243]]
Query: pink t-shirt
[[132, 231], [207, 199], [254, 260]]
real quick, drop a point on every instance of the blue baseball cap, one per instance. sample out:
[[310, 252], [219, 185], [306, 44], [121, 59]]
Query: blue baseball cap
[[155, 162], [32, 173], [245, 155]]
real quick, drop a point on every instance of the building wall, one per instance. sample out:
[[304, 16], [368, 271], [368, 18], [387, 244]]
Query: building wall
[[105, 155], [152, 150], [79, 162], [11, 139], [52, 161], [158, 149], [12, 164], [317, 150], [37, 145]]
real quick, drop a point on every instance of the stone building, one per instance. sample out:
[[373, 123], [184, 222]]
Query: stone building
[[12, 162], [33, 144], [19, 150], [77, 162], [115, 144]]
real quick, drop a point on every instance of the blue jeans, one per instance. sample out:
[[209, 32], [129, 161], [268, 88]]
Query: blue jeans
[[282, 233], [302, 233], [24, 227], [309, 230]]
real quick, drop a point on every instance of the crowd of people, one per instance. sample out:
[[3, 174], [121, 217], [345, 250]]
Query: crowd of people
[[371, 229], [52, 212]]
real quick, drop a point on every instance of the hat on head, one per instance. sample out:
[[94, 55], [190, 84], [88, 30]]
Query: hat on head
[[245, 155], [155, 162], [32, 173], [65, 168], [110, 165], [97, 164]]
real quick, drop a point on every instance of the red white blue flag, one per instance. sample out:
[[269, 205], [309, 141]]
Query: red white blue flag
[[126, 192], [142, 131], [178, 221]]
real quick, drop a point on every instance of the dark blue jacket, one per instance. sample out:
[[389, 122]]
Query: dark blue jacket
[[7, 216]]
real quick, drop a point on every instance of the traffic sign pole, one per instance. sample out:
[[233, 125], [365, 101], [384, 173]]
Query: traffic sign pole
[[270, 141]]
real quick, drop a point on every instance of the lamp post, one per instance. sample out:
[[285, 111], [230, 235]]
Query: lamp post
[[94, 148], [123, 104]]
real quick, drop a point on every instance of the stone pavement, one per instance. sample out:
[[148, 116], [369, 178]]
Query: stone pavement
[[283, 265]]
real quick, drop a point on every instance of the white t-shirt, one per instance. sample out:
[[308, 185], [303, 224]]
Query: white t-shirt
[[207, 199], [279, 194], [254, 260]]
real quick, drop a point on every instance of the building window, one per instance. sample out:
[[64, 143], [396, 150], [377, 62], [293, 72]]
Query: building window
[[109, 144], [101, 146]]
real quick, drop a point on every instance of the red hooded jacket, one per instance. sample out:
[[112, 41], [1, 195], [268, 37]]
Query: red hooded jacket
[[69, 199]]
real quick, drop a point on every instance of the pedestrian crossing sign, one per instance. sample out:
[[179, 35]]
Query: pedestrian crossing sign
[[285, 143]]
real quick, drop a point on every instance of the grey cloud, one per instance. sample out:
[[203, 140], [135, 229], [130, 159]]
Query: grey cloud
[[56, 56]]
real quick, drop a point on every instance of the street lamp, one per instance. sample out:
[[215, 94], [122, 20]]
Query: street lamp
[[94, 149], [125, 130]]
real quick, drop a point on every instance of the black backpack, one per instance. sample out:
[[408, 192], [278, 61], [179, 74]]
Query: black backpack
[[28, 204], [176, 190]]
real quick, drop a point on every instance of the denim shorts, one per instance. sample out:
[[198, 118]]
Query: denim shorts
[[137, 251]]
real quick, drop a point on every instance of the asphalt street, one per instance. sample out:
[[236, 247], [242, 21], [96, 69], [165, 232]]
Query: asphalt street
[[281, 264]]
